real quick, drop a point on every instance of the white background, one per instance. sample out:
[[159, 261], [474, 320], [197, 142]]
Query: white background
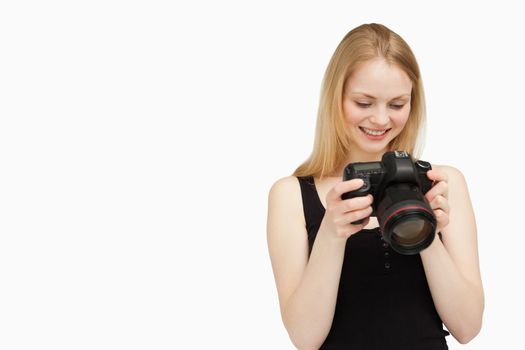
[[139, 139]]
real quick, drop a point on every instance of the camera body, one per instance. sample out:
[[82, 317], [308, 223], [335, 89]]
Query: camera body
[[396, 167], [398, 185]]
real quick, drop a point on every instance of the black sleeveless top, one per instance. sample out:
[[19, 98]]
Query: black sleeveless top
[[383, 301]]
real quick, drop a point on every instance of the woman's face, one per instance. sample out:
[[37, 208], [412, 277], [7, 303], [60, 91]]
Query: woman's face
[[376, 106]]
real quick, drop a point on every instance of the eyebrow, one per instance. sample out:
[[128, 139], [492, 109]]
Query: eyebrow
[[372, 97]]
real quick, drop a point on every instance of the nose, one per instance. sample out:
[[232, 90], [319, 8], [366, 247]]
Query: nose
[[380, 116]]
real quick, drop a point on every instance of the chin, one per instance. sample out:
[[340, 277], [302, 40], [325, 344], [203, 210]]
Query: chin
[[375, 149]]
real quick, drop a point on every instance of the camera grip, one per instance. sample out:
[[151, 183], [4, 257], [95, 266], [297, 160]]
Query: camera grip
[[361, 192]]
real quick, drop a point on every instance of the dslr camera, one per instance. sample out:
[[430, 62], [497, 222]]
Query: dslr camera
[[398, 185]]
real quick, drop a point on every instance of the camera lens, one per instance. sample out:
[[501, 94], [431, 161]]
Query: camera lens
[[407, 221], [411, 232]]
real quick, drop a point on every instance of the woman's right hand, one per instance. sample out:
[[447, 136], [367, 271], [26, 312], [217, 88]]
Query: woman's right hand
[[340, 213]]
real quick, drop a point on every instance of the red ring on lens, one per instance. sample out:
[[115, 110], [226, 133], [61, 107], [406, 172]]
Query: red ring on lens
[[407, 208]]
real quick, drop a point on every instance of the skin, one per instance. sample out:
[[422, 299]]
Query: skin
[[376, 96]]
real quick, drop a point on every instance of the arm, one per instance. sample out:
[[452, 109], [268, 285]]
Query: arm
[[307, 288], [452, 265]]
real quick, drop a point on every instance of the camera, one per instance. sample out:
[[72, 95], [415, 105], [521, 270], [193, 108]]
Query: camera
[[398, 185]]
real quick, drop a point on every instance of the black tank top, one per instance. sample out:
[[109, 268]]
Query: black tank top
[[383, 301]]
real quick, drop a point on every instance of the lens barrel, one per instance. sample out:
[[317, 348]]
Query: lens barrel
[[407, 224]]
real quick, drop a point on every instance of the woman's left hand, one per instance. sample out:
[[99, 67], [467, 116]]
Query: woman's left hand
[[437, 196]]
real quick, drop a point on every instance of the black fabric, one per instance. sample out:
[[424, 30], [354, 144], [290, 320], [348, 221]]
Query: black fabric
[[383, 301]]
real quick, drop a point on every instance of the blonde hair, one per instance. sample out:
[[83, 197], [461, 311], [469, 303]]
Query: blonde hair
[[361, 44]]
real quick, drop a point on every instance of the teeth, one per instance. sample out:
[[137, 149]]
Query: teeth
[[372, 132]]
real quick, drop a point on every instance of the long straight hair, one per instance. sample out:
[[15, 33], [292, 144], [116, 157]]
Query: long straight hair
[[363, 43]]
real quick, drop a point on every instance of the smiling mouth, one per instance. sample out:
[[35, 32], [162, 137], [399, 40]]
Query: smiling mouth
[[372, 132]]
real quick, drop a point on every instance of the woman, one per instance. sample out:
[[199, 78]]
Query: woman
[[339, 285]]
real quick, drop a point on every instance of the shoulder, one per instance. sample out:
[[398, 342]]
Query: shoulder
[[285, 186], [284, 198], [454, 176], [456, 184], [448, 170]]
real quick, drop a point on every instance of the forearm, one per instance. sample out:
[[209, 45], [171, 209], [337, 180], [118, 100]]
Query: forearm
[[458, 302], [309, 311]]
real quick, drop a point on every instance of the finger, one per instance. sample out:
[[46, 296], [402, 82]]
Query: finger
[[442, 218], [441, 188], [437, 175], [342, 187], [355, 215], [440, 202], [356, 203]]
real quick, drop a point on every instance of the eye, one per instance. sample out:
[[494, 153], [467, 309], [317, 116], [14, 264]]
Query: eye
[[362, 104], [396, 106]]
